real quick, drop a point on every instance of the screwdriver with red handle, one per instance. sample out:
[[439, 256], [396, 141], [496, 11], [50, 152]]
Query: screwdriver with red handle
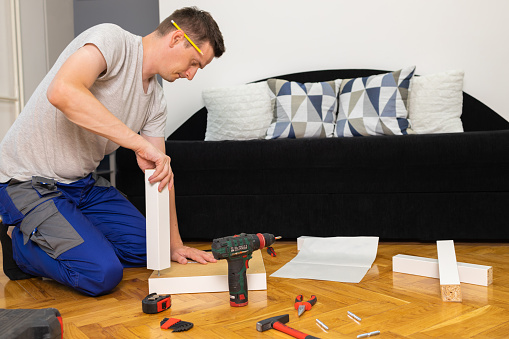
[[302, 306]]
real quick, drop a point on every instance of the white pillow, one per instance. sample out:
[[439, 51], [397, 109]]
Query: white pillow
[[436, 102], [238, 112]]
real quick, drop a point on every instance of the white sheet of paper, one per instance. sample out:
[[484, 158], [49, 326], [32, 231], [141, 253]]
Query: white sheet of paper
[[343, 259]]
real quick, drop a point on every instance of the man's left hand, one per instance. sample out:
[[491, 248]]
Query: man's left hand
[[181, 253]]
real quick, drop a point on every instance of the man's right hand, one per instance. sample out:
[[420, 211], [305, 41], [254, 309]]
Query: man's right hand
[[152, 155]]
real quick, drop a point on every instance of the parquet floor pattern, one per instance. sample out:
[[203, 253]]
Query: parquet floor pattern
[[397, 305]]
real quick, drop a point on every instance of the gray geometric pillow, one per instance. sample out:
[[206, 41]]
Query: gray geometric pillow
[[305, 110], [375, 105]]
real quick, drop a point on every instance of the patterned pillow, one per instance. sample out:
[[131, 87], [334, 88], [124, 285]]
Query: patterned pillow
[[305, 110], [375, 105]]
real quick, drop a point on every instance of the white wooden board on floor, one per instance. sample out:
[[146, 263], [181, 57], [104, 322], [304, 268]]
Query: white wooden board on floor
[[428, 267], [199, 278]]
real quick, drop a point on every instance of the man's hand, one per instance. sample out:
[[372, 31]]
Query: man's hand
[[153, 156], [181, 253], [9, 231]]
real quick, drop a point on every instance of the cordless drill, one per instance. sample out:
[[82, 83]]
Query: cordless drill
[[237, 251]]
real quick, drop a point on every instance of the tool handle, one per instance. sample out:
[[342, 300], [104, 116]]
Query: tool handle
[[290, 331], [237, 280], [308, 304]]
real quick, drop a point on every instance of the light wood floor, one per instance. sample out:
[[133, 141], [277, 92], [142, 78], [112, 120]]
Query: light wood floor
[[398, 305]]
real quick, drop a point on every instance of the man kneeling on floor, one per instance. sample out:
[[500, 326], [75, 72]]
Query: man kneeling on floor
[[68, 224]]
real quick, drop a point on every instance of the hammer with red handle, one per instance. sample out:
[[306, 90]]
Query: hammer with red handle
[[279, 324]]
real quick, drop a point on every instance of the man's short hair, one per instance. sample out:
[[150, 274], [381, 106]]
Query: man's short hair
[[198, 25]]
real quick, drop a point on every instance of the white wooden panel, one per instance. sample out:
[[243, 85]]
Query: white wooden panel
[[158, 225]]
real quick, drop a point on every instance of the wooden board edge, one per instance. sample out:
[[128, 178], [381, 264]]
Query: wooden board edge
[[451, 293]]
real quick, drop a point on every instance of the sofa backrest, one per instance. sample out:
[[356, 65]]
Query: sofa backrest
[[476, 116]]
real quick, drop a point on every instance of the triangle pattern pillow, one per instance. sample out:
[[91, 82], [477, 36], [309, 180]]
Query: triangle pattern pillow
[[303, 110], [375, 105]]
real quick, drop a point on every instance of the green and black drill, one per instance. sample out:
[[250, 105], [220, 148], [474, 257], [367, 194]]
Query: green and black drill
[[237, 251]]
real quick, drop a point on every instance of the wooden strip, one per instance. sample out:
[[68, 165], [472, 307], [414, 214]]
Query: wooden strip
[[448, 271], [428, 267], [158, 225], [476, 274]]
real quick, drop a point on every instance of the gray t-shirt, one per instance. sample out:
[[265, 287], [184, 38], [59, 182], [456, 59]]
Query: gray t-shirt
[[43, 142]]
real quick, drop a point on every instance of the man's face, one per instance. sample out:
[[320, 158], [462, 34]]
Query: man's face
[[186, 60]]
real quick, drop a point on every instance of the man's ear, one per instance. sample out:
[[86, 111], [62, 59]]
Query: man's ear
[[176, 37]]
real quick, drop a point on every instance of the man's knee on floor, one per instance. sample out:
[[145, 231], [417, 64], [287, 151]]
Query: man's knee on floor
[[103, 281]]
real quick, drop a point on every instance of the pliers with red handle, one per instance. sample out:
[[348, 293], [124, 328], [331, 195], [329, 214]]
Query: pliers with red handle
[[302, 306]]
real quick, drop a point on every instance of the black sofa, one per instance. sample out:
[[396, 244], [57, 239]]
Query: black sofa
[[412, 188]]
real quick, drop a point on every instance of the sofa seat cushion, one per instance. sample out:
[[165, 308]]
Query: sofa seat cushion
[[413, 163]]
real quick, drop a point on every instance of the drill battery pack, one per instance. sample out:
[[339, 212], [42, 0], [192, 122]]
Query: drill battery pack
[[23, 324]]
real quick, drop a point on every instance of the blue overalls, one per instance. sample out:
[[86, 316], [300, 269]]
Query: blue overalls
[[81, 234]]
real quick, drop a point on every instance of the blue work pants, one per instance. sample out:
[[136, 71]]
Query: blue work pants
[[81, 234]]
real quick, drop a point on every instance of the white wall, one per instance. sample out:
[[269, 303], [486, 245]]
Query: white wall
[[45, 29], [267, 38], [8, 108]]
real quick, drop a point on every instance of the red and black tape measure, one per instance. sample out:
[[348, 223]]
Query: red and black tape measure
[[155, 303]]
